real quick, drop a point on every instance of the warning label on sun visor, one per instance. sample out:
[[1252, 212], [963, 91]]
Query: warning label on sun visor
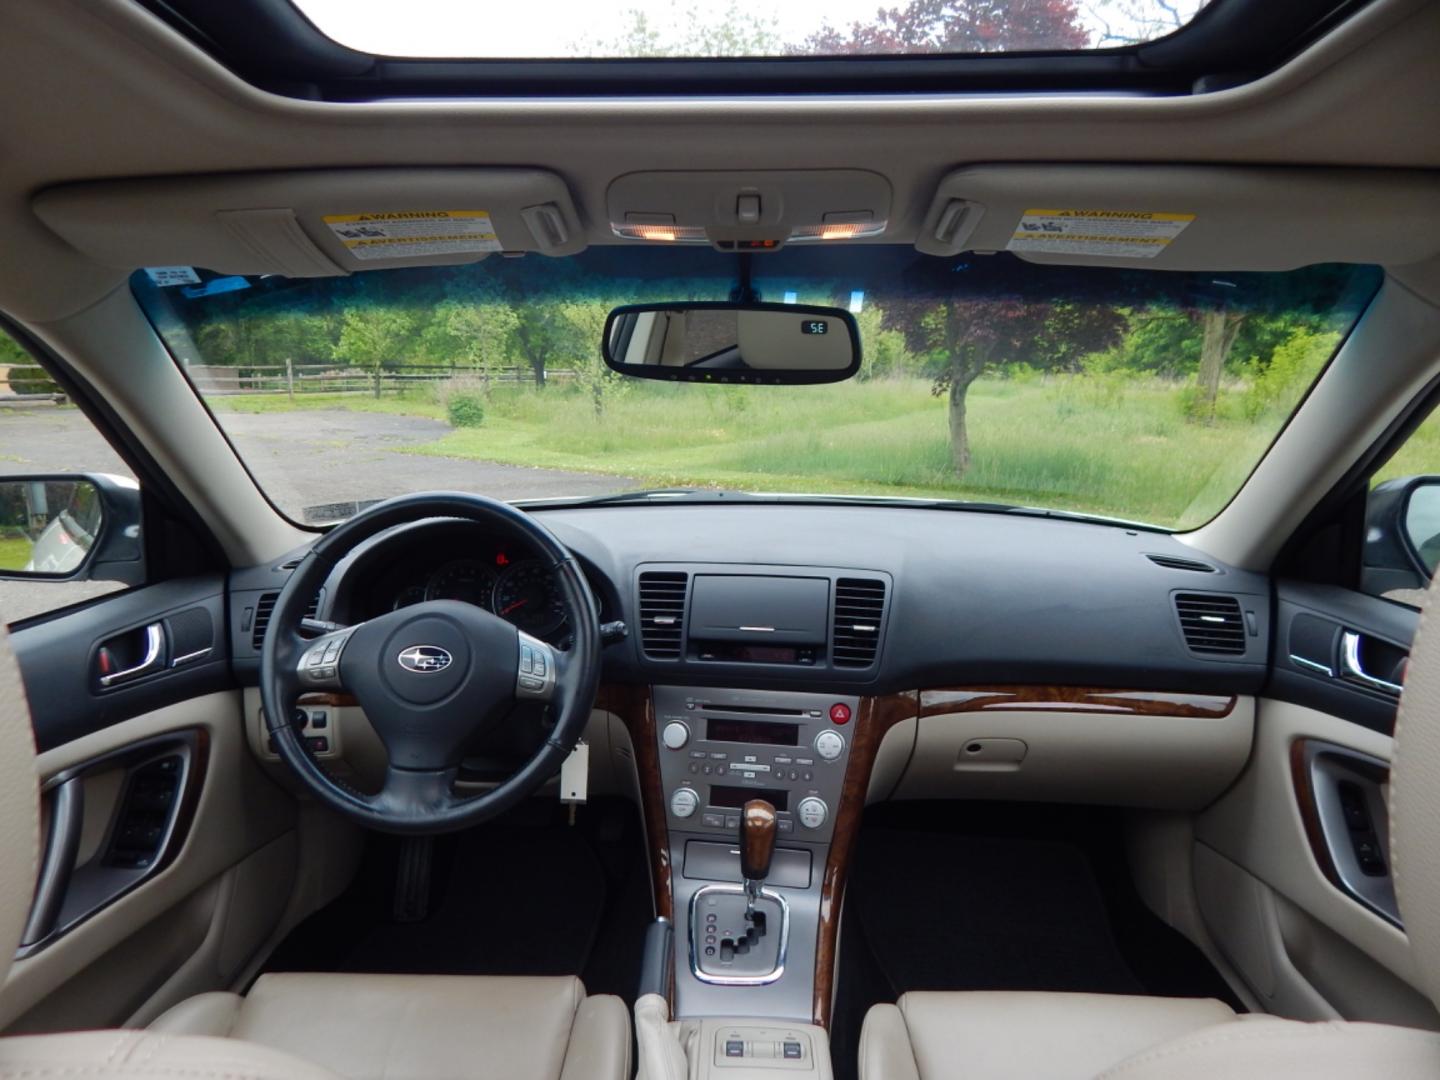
[[400, 234], [1121, 234]]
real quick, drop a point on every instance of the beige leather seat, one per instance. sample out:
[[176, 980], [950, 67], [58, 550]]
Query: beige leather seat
[[1035, 1036], [302, 1027]]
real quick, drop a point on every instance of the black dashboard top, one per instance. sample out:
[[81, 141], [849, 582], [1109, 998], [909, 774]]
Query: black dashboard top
[[968, 597]]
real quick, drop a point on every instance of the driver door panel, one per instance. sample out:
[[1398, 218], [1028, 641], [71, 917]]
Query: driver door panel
[[169, 857]]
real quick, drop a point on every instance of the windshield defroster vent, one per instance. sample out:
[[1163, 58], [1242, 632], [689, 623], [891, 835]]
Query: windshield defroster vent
[[859, 611], [1213, 625], [1175, 562], [265, 607], [662, 613]]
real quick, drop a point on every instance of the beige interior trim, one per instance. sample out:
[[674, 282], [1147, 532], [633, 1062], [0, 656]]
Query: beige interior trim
[[239, 812], [1256, 827], [1161, 762]]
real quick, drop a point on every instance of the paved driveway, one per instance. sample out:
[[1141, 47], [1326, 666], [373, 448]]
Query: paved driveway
[[318, 460], [316, 465]]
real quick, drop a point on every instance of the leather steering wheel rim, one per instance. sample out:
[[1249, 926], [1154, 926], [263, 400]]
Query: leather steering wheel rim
[[416, 798]]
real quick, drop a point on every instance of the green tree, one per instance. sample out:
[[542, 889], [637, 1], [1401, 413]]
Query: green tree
[[958, 26], [968, 336]]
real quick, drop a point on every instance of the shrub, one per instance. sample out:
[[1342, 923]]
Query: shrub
[[466, 409]]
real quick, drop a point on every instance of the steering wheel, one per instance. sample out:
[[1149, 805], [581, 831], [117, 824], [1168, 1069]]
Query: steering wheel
[[430, 676]]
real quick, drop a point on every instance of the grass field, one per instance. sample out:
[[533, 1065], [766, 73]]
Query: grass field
[[14, 552], [1118, 448]]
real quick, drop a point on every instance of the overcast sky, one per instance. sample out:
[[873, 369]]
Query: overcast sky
[[543, 28]]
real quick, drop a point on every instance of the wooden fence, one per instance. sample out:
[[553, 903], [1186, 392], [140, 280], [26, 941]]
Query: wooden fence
[[27, 383], [214, 380]]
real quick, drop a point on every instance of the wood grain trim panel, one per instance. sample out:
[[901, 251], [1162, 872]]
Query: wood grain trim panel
[[1310, 812], [876, 716], [636, 710], [1075, 699]]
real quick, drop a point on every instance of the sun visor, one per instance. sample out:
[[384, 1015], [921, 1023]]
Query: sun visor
[[316, 224], [1185, 217]]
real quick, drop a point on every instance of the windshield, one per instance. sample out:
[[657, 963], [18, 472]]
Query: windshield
[[740, 28], [1141, 395]]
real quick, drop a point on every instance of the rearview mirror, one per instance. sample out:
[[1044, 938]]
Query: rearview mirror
[[733, 343]]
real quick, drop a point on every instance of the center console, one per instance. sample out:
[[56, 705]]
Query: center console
[[718, 750]]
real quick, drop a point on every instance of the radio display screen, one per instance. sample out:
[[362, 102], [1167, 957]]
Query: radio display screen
[[762, 733], [734, 798]]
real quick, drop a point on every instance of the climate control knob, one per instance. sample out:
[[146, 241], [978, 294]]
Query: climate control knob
[[675, 735], [684, 802], [829, 745], [812, 812]]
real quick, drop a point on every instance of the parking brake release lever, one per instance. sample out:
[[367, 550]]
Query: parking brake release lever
[[758, 825]]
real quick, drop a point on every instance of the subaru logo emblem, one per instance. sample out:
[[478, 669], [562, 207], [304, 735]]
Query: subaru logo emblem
[[425, 658]]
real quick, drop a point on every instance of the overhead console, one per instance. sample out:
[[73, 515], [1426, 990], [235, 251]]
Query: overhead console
[[749, 210], [319, 223], [754, 620]]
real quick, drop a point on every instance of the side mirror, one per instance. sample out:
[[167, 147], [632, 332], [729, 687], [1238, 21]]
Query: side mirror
[[1402, 534], [71, 528], [775, 344]]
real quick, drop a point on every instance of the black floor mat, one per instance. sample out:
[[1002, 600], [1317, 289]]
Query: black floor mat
[[977, 896], [945, 912], [527, 894]]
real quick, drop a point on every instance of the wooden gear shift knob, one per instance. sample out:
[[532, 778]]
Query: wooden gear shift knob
[[758, 825]]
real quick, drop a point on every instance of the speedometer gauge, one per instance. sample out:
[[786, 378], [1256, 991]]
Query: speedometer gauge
[[466, 580], [528, 595]]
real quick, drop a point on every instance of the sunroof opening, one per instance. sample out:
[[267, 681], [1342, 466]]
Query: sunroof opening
[[694, 29]]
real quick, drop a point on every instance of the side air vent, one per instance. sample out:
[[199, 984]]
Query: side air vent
[[264, 608], [859, 611], [662, 613], [1213, 625], [1174, 562]]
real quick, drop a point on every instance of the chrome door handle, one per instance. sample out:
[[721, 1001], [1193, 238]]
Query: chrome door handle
[[1350, 666], [153, 660]]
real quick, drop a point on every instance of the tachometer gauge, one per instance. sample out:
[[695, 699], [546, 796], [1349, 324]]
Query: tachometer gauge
[[411, 594], [466, 580], [528, 595]]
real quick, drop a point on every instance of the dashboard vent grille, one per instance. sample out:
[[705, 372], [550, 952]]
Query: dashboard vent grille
[[1174, 562], [859, 609], [264, 608], [1212, 624], [662, 613]]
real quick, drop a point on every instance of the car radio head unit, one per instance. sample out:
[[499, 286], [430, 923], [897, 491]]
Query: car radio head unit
[[721, 748]]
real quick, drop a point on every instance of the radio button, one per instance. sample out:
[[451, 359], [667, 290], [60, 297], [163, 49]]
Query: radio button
[[684, 802], [812, 812], [675, 735], [829, 745], [784, 760]]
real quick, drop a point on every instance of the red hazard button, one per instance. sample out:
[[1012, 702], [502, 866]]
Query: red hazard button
[[840, 713]]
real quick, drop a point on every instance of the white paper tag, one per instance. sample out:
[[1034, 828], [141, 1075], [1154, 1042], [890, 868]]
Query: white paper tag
[[399, 234], [1120, 234], [575, 775], [165, 276]]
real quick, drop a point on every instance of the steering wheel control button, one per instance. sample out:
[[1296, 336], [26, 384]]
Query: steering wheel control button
[[812, 812], [839, 714], [675, 735], [535, 678], [829, 745], [684, 802]]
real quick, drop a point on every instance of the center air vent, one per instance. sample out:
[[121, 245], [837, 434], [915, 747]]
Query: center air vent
[[1213, 625], [662, 613], [859, 611], [265, 608], [1175, 562]]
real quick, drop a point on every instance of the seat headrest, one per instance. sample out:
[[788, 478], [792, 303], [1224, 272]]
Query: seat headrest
[[19, 806], [1415, 797]]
